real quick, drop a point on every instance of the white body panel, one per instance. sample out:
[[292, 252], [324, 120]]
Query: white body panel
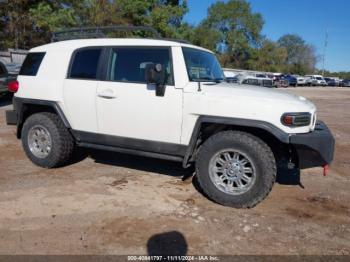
[[136, 112], [79, 98]]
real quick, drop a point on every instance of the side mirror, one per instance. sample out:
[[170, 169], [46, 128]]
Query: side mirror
[[155, 74]]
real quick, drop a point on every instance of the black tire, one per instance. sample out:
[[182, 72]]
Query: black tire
[[62, 140], [253, 147]]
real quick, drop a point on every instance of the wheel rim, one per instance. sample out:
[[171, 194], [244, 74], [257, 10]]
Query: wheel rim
[[232, 172], [39, 141]]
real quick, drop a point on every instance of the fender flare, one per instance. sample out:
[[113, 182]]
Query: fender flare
[[273, 130], [20, 103]]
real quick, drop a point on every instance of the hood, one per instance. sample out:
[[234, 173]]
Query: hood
[[255, 92]]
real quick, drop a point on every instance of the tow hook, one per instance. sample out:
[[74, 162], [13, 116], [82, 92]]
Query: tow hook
[[325, 170]]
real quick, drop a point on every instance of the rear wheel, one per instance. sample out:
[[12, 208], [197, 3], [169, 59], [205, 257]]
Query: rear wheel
[[235, 169], [46, 141]]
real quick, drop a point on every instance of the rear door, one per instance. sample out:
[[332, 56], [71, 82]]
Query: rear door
[[80, 89], [127, 107]]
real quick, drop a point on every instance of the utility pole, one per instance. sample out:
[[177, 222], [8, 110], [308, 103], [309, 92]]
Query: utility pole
[[324, 52]]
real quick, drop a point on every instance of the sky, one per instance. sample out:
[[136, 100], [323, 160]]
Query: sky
[[308, 18]]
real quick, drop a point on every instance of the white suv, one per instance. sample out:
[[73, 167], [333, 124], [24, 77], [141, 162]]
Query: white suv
[[164, 99], [317, 80]]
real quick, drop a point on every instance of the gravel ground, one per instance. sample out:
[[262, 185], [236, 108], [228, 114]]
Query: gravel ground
[[108, 203]]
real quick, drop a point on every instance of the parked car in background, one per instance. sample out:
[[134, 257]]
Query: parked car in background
[[292, 81], [345, 83], [320, 80], [301, 81], [8, 72], [337, 80], [230, 77], [311, 80], [279, 81], [259, 80], [328, 80], [317, 80], [331, 81]]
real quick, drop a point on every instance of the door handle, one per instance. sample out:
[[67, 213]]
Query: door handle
[[107, 93]]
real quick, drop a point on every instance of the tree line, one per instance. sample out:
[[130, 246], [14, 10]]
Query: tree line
[[231, 29]]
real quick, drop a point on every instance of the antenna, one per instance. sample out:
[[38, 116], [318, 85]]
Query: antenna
[[324, 51]]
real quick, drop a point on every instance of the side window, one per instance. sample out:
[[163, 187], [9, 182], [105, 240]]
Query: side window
[[31, 64], [127, 64], [85, 63]]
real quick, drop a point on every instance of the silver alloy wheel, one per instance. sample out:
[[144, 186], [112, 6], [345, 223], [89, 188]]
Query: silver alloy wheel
[[232, 172], [39, 141]]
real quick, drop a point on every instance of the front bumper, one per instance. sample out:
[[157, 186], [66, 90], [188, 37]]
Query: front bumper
[[315, 148]]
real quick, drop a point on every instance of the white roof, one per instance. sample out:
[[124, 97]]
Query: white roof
[[79, 43]]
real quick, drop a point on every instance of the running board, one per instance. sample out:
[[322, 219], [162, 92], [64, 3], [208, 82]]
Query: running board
[[131, 151]]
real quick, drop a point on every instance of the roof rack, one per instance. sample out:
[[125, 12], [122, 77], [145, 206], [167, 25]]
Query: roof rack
[[176, 40], [99, 32]]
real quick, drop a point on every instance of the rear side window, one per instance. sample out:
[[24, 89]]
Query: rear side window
[[85, 64], [127, 64], [31, 64]]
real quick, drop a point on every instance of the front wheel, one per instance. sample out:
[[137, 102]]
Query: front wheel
[[235, 169]]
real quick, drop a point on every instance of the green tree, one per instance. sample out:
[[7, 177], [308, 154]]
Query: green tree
[[16, 23], [48, 18], [236, 27], [166, 17], [269, 57], [27, 23], [301, 57]]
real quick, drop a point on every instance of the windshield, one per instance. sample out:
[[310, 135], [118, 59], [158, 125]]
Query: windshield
[[201, 65], [319, 78]]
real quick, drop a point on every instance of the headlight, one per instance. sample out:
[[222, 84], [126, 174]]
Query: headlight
[[296, 119]]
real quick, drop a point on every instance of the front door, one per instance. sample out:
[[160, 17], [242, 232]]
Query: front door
[[127, 107]]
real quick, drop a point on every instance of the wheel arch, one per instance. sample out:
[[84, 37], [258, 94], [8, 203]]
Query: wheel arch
[[28, 107], [207, 126]]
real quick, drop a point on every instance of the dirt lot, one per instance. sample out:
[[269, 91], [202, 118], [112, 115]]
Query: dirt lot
[[108, 203]]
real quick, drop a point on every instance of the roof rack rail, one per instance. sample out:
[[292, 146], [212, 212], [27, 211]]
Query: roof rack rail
[[176, 40], [98, 32]]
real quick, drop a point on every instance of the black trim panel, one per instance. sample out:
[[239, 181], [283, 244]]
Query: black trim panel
[[130, 143], [315, 148], [132, 152]]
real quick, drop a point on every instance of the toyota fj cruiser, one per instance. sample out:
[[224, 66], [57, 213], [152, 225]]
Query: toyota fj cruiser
[[164, 99]]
